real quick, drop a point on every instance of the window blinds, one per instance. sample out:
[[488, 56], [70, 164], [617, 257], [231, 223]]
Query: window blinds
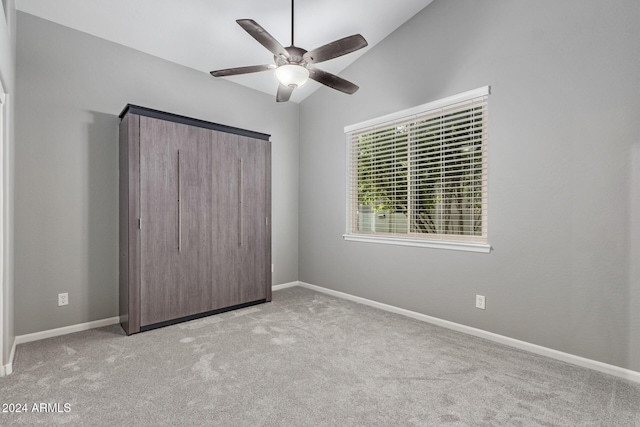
[[423, 175]]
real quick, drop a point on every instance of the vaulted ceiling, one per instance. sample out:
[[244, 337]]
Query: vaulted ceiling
[[203, 34]]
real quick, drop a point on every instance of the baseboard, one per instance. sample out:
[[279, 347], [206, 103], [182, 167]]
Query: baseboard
[[285, 286], [616, 371], [12, 354], [21, 339]]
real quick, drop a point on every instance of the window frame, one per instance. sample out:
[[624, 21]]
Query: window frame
[[451, 242]]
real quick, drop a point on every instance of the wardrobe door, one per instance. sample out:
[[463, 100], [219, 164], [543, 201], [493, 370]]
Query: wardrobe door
[[253, 250], [226, 198], [175, 201], [195, 223], [240, 256]]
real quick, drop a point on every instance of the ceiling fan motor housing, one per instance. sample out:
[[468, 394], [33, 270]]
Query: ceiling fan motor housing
[[296, 57]]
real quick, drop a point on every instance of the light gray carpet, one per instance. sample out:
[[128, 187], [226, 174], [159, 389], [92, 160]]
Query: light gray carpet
[[306, 359]]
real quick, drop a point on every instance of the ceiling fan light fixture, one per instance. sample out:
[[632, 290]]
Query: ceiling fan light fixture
[[292, 75], [294, 65]]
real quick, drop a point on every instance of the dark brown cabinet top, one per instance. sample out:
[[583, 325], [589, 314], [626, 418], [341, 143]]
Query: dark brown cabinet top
[[162, 115]]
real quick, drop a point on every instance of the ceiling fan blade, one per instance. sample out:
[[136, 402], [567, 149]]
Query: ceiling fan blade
[[263, 37], [284, 93], [242, 70], [332, 81], [336, 49]]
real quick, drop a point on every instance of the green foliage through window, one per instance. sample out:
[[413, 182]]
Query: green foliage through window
[[423, 176]]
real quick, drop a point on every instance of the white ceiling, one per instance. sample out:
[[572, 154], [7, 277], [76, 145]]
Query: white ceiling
[[203, 34]]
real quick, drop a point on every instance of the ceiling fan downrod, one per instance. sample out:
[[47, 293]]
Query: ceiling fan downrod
[[292, 43]]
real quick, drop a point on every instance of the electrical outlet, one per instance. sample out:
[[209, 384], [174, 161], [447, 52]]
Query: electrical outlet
[[480, 301], [63, 299], [272, 268]]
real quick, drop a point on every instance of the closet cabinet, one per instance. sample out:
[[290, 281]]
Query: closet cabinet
[[195, 203]]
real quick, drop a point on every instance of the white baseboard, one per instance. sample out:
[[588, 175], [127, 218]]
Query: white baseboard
[[284, 286], [12, 354], [616, 371], [21, 339]]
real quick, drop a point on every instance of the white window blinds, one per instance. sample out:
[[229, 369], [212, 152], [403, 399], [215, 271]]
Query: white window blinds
[[421, 174]]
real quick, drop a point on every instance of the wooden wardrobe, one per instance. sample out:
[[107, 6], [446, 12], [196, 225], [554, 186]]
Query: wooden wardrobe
[[195, 226]]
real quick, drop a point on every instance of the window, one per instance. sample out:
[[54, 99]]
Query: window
[[419, 177]]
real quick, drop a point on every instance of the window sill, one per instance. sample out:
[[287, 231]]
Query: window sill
[[434, 244]]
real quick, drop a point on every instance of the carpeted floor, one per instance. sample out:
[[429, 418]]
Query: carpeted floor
[[306, 359]]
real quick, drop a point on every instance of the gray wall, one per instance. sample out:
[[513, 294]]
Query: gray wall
[[7, 75], [72, 86], [563, 123]]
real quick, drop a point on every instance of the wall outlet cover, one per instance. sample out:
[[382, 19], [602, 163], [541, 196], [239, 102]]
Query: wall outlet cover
[[480, 302], [63, 299]]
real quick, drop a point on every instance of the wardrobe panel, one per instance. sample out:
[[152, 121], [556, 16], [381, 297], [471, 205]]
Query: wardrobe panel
[[195, 222], [160, 269], [175, 209], [253, 218], [226, 189], [266, 146], [129, 167]]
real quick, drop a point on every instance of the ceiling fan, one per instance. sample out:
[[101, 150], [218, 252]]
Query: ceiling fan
[[294, 65]]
